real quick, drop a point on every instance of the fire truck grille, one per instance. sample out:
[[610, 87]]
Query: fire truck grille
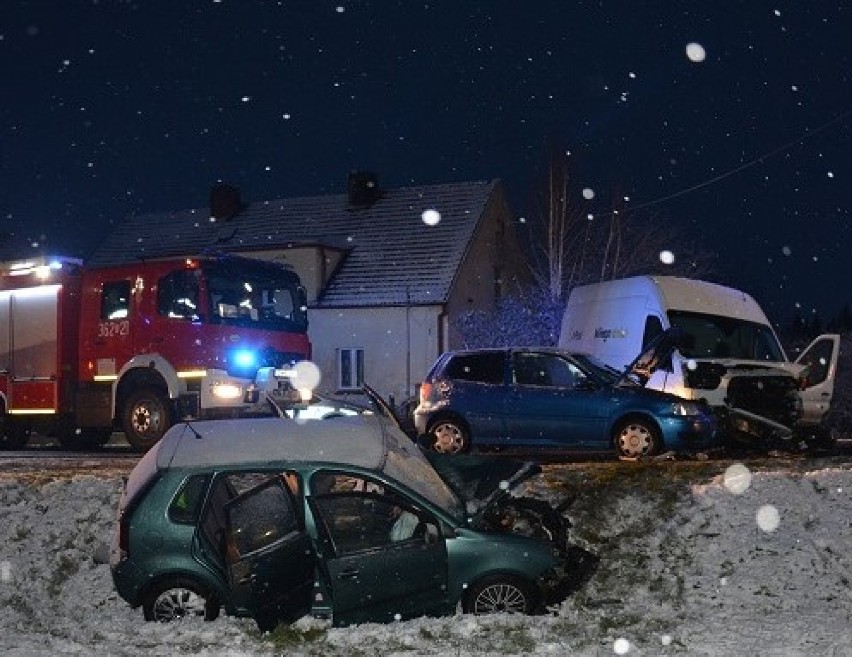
[[773, 397]]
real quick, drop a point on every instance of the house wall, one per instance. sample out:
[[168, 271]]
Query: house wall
[[494, 251], [314, 264], [400, 344]]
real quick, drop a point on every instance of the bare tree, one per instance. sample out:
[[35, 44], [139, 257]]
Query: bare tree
[[570, 246], [556, 226]]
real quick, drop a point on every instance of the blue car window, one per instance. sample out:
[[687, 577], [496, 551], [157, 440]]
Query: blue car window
[[485, 367], [546, 370], [562, 373], [529, 370]]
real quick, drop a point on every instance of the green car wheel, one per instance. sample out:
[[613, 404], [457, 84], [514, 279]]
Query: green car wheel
[[173, 599], [500, 594]]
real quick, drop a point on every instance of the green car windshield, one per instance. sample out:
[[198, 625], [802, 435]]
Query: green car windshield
[[406, 464]]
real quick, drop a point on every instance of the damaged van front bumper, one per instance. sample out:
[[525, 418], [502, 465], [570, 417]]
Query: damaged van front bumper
[[752, 427]]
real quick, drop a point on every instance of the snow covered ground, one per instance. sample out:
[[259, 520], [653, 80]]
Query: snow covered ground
[[736, 562]]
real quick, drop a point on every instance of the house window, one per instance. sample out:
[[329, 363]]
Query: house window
[[350, 369]]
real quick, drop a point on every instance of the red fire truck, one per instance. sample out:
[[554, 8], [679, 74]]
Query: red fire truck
[[141, 346]]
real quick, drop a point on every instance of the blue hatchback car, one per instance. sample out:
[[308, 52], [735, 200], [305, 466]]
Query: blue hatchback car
[[529, 397]]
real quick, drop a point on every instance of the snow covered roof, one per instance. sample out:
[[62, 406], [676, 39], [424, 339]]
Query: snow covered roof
[[393, 256], [356, 440]]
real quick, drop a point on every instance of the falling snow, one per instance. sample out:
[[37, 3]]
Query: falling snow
[[695, 52], [431, 217], [724, 119]]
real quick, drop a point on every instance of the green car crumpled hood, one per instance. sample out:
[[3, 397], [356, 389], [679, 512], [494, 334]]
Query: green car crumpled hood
[[481, 481]]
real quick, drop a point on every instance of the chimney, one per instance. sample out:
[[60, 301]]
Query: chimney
[[225, 202], [363, 188]]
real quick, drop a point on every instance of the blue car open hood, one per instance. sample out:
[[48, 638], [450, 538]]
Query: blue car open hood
[[656, 354], [481, 481]]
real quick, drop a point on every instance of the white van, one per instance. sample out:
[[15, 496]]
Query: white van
[[727, 353]]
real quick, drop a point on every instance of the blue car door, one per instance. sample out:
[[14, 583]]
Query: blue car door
[[478, 393], [552, 402]]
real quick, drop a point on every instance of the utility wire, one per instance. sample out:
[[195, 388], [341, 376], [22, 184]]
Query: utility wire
[[806, 135]]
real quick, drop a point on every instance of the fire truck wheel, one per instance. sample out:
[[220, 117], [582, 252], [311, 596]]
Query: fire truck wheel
[[145, 418]]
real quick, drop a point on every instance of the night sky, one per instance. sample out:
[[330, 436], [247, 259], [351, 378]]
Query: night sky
[[113, 107]]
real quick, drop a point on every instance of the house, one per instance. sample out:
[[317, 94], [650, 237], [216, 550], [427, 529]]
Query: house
[[386, 271]]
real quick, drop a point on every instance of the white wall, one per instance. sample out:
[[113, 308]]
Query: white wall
[[313, 264], [397, 343]]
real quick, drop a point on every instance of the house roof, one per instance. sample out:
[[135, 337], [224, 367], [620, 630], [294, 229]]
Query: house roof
[[392, 256]]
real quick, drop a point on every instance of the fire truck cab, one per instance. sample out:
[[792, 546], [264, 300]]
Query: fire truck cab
[[138, 347]]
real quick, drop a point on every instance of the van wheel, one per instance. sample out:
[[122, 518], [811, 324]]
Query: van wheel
[[635, 438], [500, 594], [146, 417], [449, 436], [173, 599]]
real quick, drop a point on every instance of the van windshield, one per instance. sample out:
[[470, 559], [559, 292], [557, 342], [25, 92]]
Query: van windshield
[[715, 336]]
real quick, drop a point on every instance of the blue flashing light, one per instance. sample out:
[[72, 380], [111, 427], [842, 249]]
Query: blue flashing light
[[245, 358]]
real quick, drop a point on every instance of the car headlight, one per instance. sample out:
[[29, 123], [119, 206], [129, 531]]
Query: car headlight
[[686, 408], [226, 390]]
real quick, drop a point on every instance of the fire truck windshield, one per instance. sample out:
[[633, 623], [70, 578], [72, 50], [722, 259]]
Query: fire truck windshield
[[261, 296]]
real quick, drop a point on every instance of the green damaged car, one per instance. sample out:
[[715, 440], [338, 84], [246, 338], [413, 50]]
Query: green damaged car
[[345, 519]]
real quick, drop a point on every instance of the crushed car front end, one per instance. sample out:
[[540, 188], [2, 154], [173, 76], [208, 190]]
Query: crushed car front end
[[571, 565], [510, 530]]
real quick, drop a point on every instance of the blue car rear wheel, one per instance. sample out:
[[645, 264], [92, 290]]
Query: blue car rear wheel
[[449, 436]]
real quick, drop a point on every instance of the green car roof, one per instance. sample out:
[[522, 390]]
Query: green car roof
[[359, 440]]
